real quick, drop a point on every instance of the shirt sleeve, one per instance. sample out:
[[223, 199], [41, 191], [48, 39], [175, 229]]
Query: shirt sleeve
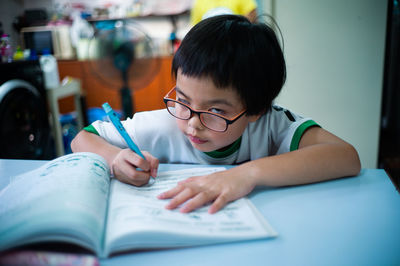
[[294, 145], [107, 131], [91, 129], [286, 129]]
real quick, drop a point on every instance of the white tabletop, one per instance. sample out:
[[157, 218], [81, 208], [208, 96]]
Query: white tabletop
[[350, 221]]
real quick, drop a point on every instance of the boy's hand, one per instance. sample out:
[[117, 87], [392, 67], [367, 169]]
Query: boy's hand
[[218, 188], [125, 164]]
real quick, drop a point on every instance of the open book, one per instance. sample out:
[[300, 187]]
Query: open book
[[73, 199]]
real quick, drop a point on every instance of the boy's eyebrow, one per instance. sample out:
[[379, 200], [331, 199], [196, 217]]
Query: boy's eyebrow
[[220, 101], [181, 92], [215, 101]]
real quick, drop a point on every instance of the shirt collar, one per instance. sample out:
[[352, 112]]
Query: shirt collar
[[226, 152]]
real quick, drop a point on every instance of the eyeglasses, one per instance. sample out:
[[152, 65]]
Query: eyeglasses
[[210, 120]]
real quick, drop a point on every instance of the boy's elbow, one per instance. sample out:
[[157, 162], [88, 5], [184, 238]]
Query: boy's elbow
[[354, 162], [75, 143]]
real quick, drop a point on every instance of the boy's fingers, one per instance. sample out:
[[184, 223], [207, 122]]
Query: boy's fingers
[[137, 178], [220, 202], [153, 163], [154, 167], [153, 172], [128, 173], [137, 161], [179, 199], [198, 201], [170, 193], [124, 170]]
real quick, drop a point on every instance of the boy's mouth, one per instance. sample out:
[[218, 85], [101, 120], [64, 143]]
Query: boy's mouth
[[196, 140]]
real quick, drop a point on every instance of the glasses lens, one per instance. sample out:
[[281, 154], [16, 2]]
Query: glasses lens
[[178, 110], [213, 122], [210, 121]]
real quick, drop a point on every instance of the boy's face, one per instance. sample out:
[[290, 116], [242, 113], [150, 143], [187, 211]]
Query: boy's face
[[202, 95]]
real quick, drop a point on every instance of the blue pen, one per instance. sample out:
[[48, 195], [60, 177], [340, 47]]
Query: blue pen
[[115, 120]]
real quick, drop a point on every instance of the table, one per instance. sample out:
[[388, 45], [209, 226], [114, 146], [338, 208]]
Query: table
[[349, 221]]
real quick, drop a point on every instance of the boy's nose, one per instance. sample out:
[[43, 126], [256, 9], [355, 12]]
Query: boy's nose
[[195, 122]]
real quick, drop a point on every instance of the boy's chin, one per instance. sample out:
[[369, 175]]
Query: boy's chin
[[202, 147]]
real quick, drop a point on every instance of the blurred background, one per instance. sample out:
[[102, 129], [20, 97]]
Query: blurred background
[[342, 63]]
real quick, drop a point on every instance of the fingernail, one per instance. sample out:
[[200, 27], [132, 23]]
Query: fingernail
[[154, 172], [185, 209]]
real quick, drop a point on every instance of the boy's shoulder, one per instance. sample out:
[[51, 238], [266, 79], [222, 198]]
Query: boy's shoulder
[[155, 114], [155, 119], [281, 113], [278, 118]]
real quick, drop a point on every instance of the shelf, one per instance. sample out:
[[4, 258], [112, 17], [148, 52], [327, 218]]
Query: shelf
[[187, 12]]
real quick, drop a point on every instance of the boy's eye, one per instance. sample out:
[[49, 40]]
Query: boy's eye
[[217, 111], [182, 100]]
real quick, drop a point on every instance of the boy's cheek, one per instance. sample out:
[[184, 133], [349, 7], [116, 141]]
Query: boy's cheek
[[182, 124]]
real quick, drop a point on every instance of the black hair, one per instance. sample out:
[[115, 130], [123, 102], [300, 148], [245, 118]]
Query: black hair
[[234, 52]]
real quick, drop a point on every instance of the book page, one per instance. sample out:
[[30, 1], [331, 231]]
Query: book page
[[137, 219], [65, 199]]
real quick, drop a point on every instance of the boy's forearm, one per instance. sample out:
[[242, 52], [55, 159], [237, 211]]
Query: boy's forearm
[[89, 142], [307, 165]]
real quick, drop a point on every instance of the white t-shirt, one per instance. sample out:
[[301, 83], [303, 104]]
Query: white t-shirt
[[276, 132]]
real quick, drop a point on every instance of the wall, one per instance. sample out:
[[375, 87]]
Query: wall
[[335, 54]]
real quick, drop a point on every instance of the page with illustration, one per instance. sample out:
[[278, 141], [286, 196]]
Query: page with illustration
[[64, 200], [137, 219]]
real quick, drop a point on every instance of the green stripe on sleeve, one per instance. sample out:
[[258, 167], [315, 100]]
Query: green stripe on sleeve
[[294, 145], [91, 129]]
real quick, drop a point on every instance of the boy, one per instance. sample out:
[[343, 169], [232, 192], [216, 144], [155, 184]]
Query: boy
[[228, 72]]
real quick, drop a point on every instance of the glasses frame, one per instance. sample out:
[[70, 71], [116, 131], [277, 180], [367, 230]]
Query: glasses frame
[[199, 112]]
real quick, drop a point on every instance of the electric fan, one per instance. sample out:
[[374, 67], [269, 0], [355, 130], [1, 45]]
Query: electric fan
[[124, 59]]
